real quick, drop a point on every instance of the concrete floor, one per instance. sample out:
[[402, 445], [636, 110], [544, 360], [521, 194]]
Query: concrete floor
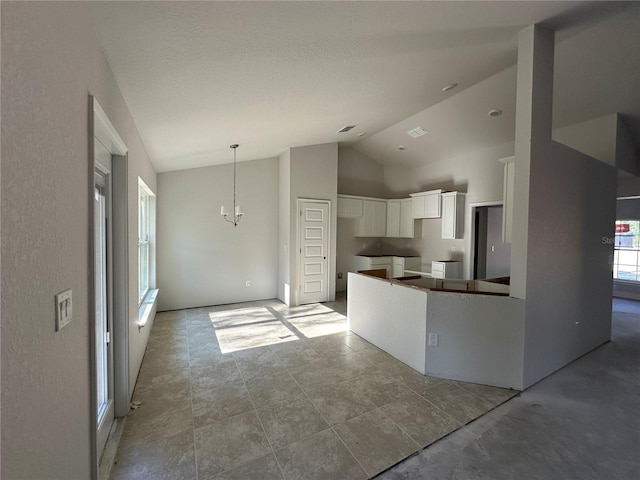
[[582, 423]]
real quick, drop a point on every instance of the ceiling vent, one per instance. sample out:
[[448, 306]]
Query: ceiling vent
[[346, 128], [417, 132]]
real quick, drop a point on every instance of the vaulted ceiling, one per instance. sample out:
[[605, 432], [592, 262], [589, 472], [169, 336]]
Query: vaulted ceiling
[[199, 76]]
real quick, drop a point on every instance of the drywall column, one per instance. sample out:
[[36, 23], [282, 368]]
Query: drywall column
[[534, 102], [563, 220], [305, 172]]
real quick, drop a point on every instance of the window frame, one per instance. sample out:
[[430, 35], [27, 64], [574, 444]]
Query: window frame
[[619, 248], [145, 240]]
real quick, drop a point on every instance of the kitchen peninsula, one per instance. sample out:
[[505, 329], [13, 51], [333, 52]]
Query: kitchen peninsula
[[472, 337]]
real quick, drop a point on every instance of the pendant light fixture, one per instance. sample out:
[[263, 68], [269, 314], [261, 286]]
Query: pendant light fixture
[[237, 211]]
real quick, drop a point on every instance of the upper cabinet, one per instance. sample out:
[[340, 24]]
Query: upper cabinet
[[350, 207], [507, 197], [400, 218], [452, 215], [373, 222], [426, 204]]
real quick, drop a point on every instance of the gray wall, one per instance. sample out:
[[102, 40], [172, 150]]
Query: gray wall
[[568, 309], [51, 62], [357, 175], [203, 260], [480, 175]]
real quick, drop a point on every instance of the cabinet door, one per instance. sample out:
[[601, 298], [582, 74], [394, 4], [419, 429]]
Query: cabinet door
[[448, 216], [406, 218], [373, 222], [418, 206], [397, 270], [432, 205], [349, 207], [394, 218], [379, 219]]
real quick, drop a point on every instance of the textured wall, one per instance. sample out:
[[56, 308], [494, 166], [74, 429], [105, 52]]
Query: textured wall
[[51, 62], [203, 260]]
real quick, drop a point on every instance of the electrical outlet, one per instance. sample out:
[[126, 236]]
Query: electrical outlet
[[64, 309], [339, 275], [433, 339], [247, 283]]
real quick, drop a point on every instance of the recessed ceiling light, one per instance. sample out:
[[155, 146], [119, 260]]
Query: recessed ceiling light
[[346, 128], [451, 86], [401, 147], [495, 112], [417, 132], [362, 134]]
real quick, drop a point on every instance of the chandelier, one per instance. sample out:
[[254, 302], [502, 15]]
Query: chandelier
[[237, 211]]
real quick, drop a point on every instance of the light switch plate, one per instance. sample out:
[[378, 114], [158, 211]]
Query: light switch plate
[[64, 309]]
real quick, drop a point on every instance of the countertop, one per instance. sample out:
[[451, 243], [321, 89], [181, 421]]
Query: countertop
[[378, 255]]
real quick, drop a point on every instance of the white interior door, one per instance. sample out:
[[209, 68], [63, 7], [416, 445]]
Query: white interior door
[[313, 263]]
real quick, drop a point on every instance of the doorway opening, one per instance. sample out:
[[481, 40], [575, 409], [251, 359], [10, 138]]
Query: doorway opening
[[491, 256]]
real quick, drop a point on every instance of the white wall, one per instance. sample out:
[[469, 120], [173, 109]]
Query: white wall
[[203, 260], [359, 174], [51, 63]]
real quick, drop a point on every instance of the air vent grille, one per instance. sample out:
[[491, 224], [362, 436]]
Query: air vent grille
[[346, 128], [417, 132]]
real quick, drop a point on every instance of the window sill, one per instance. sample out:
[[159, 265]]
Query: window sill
[[147, 307]]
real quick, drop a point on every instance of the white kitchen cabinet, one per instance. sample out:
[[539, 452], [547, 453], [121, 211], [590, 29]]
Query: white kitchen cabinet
[[373, 222], [507, 197], [400, 218], [406, 218], [446, 269], [452, 215], [395, 266], [400, 264], [393, 217], [373, 263], [349, 207], [426, 204]]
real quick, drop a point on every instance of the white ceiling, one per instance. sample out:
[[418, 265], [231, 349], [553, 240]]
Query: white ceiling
[[199, 76]]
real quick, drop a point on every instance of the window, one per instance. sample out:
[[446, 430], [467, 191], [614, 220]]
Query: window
[[146, 223], [626, 261]]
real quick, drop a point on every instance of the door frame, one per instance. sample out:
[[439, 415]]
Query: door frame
[[471, 228], [299, 245], [101, 127]]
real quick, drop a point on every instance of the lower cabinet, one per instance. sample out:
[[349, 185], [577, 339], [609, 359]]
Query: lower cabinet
[[395, 266], [446, 269], [373, 263]]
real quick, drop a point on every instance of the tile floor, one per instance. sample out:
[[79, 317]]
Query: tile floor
[[262, 391]]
